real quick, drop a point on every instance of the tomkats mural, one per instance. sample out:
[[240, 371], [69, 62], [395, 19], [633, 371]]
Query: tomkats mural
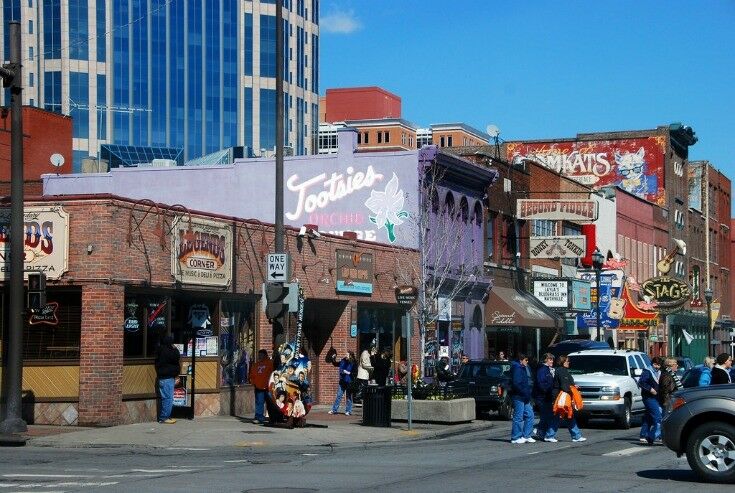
[[635, 165]]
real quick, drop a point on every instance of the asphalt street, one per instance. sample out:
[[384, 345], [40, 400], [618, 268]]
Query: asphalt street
[[611, 460]]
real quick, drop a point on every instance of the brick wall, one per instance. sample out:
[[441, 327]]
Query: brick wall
[[101, 355]]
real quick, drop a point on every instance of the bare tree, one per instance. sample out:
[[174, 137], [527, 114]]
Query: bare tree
[[447, 269]]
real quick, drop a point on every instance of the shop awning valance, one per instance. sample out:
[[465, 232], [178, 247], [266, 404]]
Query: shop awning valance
[[507, 307]]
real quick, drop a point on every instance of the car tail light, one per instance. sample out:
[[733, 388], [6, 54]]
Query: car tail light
[[678, 403]]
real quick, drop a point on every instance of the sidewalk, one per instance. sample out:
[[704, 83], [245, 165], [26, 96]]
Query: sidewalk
[[226, 431]]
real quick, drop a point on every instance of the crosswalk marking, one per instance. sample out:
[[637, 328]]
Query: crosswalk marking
[[625, 452]]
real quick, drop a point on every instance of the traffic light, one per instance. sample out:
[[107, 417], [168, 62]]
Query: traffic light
[[275, 295], [36, 291]]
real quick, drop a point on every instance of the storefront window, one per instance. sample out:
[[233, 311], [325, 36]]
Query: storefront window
[[236, 341], [194, 323], [146, 322], [55, 332]]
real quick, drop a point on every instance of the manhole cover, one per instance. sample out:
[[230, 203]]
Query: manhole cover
[[281, 490], [567, 476]]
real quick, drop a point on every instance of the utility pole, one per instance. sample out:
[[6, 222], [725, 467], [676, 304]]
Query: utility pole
[[279, 127], [13, 371]]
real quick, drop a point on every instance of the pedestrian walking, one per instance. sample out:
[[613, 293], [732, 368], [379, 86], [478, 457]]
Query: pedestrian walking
[[705, 372], [721, 370], [563, 382], [345, 367], [381, 365], [364, 370], [542, 393], [649, 384], [168, 366], [260, 372], [520, 392], [667, 385]]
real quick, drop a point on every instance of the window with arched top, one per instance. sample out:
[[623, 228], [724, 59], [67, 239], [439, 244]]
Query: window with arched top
[[449, 204], [435, 202], [464, 210], [478, 214], [477, 318]]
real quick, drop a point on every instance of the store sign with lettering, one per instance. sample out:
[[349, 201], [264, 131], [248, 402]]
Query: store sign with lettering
[[46, 244], [552, 293], [557, 246], [635, 165], [500, 318], [354, 272], [580, 211], [47, 316], [201, 252], [668, 293]]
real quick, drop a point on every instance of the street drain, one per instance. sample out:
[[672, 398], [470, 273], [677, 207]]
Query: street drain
[[567, 476]]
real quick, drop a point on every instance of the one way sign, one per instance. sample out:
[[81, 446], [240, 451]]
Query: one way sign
[[278, 267]]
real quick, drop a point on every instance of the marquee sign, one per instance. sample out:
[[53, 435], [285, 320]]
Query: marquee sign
[[201, 252], [557, 246], [557, 210], [46, 244], [668, 293], [567, 295], [635, 165]]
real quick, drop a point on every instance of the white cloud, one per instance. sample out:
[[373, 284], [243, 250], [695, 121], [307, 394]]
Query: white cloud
[[339, 22]]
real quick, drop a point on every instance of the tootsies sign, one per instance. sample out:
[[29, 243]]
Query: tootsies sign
[[201, 252], [635, 165], [46, 242]]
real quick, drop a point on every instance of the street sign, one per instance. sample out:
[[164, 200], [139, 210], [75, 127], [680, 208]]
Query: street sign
[[278, 266]]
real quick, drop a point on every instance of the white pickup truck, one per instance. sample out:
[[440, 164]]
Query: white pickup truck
[[608, 381]]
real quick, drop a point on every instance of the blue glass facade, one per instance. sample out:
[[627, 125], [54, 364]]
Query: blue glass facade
[[78, 30], [191, 74]]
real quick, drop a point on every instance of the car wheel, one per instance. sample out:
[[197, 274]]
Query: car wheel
[[624, 420], [711, 452], [505, 411]]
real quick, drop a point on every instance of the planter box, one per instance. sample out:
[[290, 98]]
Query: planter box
[[449, 412]]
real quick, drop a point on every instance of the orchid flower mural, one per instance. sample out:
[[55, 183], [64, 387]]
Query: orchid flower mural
[[387, 207]]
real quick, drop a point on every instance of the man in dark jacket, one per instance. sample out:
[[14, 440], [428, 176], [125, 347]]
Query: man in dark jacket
[[520, 393], [542, 394], [443, 370], [721, 370], [168, 367], [648, 382]]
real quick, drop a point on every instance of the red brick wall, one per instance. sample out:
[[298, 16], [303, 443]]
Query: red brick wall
[[101, 355], [44, 133], [361, 103]]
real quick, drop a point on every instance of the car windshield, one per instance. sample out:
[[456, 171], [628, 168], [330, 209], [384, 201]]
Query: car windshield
[[492, 370], [611, 365]]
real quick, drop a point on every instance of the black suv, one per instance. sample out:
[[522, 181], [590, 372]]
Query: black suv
[[702, 426], [488, 382]]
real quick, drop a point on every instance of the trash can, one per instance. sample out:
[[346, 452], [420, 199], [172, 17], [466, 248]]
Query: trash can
[[376, 406]]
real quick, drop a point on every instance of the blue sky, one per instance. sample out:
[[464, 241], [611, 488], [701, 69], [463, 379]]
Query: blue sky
[[543, 69]]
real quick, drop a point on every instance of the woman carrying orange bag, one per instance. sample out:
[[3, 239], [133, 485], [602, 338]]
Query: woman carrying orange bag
[[564, 384]]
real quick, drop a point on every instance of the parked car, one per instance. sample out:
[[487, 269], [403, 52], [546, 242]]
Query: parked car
[[685, 364], [488, 383], [608, 382], [702, 426], [575, 345]]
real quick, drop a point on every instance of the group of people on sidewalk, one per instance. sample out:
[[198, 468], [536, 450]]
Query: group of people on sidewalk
[[355, 376], [551, 380]]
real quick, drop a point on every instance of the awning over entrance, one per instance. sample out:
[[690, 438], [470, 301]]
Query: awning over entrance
[[507, 307]]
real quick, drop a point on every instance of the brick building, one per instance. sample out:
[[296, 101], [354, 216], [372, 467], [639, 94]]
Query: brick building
[[44, 135], [122, 273]]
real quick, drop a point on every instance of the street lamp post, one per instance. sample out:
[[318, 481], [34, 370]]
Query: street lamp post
[[597, 261], [708, 299]]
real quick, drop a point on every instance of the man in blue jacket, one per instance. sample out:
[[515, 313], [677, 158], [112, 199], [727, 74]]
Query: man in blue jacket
[[648, 382], [542, 396], [520, 393]]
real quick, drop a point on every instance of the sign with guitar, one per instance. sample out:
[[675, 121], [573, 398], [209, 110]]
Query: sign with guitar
[[557, 246], [610, 306], [664, 265]]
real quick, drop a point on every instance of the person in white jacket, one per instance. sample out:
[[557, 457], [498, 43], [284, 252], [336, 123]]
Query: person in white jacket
[[364, 370]]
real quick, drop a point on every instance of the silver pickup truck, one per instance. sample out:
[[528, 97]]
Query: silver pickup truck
[[608, 381]]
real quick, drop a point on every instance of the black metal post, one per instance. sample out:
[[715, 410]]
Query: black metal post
[[597, 314], [13, 371], [279, 128], [708, 299]]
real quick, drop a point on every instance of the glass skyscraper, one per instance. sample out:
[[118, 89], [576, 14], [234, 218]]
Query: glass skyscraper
[[193, 74]]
